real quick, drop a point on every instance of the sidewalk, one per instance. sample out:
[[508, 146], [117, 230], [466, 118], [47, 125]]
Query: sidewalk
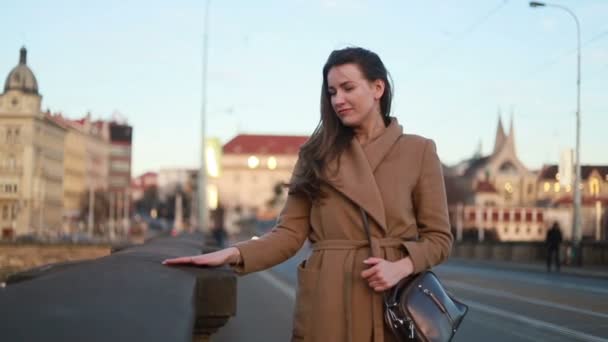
[[583, 271]]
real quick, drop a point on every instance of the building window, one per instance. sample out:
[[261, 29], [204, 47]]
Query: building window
[[547, 186], [516, 230], [253, 162], [272, 163], [121, 166], [540, 231], [120, 151], [119, 182], [12, 135], [556, 187], [508, 168], [5, 212], [508, 191], [530, 189], [506, 230]]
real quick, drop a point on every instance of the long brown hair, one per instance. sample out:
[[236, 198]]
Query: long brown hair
[[330, 138]]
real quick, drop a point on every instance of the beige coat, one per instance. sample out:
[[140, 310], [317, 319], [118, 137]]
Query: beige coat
[[397, 179]]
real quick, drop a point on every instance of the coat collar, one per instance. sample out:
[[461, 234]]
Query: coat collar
[[355, 177]]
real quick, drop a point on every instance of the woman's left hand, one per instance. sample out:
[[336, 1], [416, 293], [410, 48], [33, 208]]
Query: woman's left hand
[[385, 274]]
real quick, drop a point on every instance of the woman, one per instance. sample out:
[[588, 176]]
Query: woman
[[357, 157]]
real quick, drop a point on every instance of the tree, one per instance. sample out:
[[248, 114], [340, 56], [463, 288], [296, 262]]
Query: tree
[[101, 206], [149, 201]]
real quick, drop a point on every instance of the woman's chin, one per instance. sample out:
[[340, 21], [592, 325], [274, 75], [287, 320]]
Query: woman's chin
[[350, 122]]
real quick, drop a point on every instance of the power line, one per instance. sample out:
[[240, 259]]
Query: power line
[[484, 18], [545, 65], [469, 30]]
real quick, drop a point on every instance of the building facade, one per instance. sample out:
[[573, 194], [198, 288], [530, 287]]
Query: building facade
[[253, 165], [499, 195], [31, 158]]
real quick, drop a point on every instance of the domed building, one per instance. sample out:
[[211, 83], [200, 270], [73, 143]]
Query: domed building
[[31, 158]]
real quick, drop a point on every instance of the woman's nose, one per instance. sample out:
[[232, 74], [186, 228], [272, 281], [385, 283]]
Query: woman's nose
[[338, 99]]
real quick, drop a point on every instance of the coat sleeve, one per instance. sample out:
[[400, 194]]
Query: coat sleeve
[[430, 204], [280, 243]]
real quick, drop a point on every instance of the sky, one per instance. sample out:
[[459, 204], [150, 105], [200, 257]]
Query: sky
[[455, 66]]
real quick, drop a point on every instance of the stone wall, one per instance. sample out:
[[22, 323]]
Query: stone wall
[[593, 253], [20, 257]]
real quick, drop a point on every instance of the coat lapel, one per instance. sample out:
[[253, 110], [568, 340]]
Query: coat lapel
[[355, 177]]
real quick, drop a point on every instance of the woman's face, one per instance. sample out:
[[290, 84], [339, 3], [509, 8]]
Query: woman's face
[[354, 99]]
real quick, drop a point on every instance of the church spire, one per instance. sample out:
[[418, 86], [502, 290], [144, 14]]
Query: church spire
[[500, 135], [510, 141]]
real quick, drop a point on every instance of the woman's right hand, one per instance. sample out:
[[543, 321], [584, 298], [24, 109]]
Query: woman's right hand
[[230, 255]]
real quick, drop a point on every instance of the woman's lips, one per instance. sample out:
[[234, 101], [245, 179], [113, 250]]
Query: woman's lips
[[344, 111]]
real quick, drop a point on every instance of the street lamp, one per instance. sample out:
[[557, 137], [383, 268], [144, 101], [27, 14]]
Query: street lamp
[[576, 224], [202, 173]]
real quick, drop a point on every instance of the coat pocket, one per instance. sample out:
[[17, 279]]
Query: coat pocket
[[305, 301]]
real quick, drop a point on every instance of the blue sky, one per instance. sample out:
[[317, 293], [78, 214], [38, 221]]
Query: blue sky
[[454, 64]]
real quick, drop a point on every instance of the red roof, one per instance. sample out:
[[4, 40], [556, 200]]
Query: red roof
[[485, 186], [264, 144], [145, 180]]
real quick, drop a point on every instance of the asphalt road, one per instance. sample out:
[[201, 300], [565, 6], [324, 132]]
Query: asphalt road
[[505, 305]]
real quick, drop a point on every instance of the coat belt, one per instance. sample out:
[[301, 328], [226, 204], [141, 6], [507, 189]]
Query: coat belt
[[377, 245]]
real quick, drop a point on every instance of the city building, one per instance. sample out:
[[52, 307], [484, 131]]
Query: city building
[[253, 165], [500, 178], [86, 160], [497, 194], [141, 183], [31, 158]]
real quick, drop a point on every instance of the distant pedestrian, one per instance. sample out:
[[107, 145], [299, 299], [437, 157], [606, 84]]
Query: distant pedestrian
[[357, 163], [218, 229], [553, 241]]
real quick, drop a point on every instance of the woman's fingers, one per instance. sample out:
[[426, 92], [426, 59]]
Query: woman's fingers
[[211, 259], [181, 260], [376, 277], [370, 272], [203, 260]]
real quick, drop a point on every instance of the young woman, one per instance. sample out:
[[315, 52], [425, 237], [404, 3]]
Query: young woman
[[357, 157]]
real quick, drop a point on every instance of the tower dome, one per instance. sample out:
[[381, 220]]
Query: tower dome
[[21, 77]]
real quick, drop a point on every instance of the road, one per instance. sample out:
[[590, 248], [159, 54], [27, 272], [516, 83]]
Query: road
[[505, 305]]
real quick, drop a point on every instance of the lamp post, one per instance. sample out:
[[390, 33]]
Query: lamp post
[[202, 173], [576, 220]]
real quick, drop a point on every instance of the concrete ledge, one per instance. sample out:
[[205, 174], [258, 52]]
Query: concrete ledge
[[126, 296]]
